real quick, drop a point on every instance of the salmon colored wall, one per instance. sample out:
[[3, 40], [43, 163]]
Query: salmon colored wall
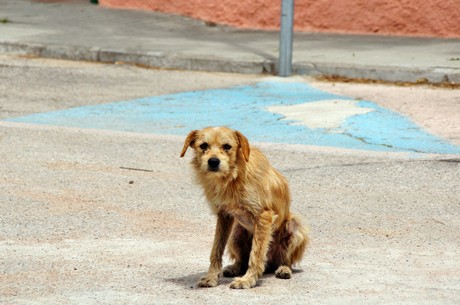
[[439, 18]]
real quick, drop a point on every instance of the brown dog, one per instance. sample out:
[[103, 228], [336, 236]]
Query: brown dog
[[251, 200]]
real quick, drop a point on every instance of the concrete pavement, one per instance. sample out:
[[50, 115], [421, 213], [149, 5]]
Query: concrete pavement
[[94, 216], [79, 30], [104, 217]]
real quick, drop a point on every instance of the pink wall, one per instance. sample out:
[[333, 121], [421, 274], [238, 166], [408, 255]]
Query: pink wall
[[439, 18]]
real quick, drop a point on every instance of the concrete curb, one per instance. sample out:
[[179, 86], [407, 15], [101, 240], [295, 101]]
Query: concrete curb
[[432, 75], [150, 59], [164, 60]]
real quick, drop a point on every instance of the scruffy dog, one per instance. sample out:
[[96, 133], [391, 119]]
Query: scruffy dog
[[251, 200]]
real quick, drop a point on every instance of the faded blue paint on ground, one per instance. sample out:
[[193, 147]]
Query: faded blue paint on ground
[[245, 108]]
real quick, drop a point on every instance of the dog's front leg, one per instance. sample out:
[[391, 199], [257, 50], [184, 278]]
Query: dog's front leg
[[263, 230], [223, 228]]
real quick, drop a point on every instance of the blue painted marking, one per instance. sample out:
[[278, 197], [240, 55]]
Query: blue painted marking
[[245, 108]]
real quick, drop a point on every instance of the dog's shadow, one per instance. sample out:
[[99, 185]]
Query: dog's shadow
[[190, 281]]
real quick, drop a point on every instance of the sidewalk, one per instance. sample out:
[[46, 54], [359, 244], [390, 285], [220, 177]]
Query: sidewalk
[[79, 30]]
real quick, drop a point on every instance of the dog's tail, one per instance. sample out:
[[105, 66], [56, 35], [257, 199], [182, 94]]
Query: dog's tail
[[299, 239]]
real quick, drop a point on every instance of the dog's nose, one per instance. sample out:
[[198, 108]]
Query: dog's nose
[[213, 164]]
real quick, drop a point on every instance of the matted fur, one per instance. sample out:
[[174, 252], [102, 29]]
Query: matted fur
[[251, 200]]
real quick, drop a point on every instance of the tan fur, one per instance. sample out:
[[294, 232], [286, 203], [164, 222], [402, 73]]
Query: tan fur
[[251, 200]]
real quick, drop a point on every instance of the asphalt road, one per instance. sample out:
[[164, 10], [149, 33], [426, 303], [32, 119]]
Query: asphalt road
[[109, 217]]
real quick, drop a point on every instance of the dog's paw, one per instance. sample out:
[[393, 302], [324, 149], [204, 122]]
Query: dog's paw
[[243, 283], [233, 270], [208, 282], [283, 272]]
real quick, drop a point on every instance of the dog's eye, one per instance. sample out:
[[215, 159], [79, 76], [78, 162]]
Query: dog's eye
[[204, 146], [227, 146]]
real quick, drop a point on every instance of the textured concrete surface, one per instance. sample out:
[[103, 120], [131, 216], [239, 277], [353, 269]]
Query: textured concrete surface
[[78, 227], [78, 30], [105, 217]]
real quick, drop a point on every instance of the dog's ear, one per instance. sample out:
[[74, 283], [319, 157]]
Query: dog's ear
[[189, 141], [244, 144]]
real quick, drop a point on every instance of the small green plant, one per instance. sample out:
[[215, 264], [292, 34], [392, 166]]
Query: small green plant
[[4, 20]]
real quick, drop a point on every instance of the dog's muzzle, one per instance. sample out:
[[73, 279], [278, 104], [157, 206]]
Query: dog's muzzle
[[213, 164]]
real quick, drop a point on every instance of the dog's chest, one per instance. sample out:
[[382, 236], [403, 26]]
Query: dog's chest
[[230, 200], [246, 222], [244, 218]]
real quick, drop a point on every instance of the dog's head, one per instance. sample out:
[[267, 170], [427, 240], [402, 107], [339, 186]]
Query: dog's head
[[218, 150]]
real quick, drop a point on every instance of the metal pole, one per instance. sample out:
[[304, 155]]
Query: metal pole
[[286, 31]]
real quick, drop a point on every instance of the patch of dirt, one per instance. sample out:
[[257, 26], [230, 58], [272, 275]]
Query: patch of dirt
[[419, 82]]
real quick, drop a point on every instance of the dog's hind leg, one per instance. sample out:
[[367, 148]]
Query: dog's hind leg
[[239, 248], [287, 248], [299, 241], [295, 248]]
